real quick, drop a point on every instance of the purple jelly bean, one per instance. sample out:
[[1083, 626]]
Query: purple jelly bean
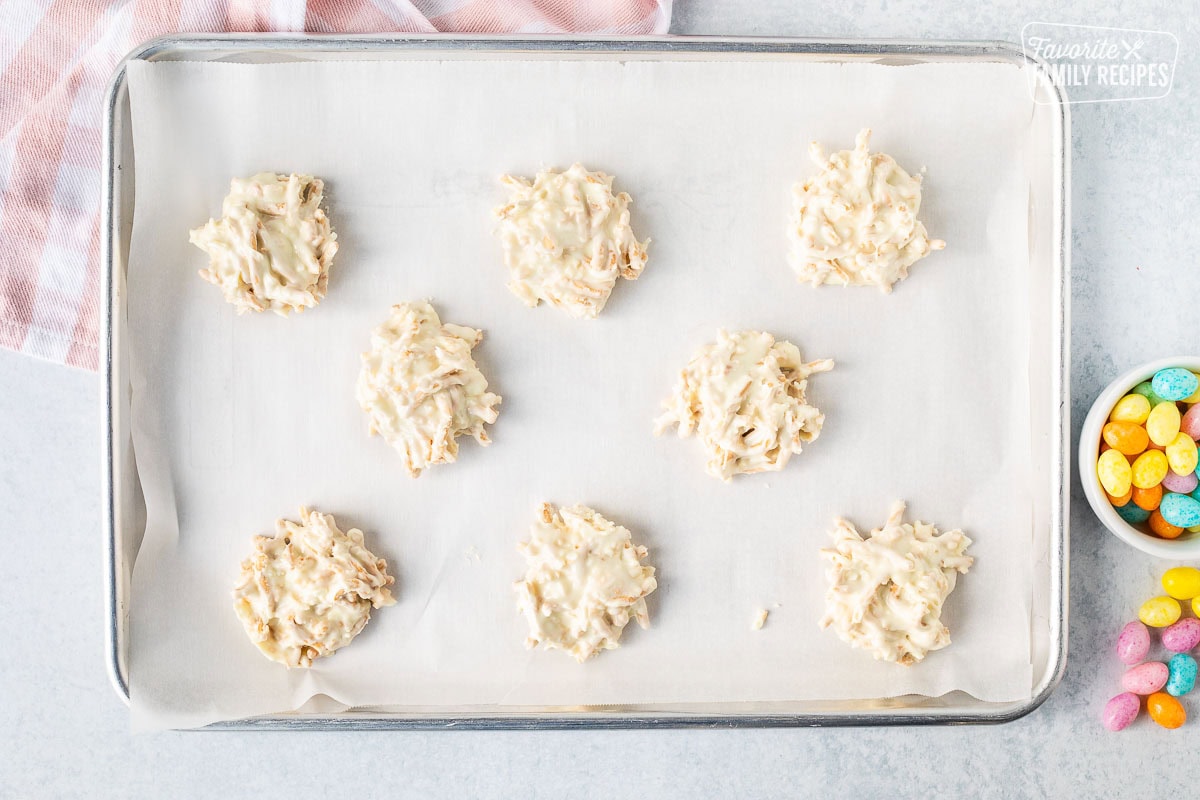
[[1182, 636], [1183, 484], [1145, 678], [1121, 710], [1134, 643]]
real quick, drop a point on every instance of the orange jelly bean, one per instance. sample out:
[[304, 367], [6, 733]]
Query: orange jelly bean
[[1148, 499], [1163, 528], [1121, 500], [1166, 710], [1126, 437]]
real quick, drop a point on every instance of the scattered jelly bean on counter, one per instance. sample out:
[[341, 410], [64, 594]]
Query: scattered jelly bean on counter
[[1159, 612], [1160, 527], [1183, 484], [1146, 678], [1116, 476], [1182, 636], [1166, 710], [1181, 454], [1182, 583], [1181, 674], [1174, 383], [1121, 710], [1180, 510], [1133, 644], [1131, 408], [1162, 426], [1149, 469]]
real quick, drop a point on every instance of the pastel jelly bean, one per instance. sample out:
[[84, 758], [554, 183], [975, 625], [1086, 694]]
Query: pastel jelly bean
[[1148, 469], [1194, 397], [1163, 423], [1181, 455], [1174, 383], [1133, 514], [1196, 606], [1133, 643], [1182, 583], [1183, 484], [1182, 636], [1147, 498], [1145, 678], [1180, 510], [1189, 423], [1147, 391], [1121, 710], [1117, 502], [1166, 710], [1125, 437], [1116, 476], [1159, 612], [1181, 674], [1131, 408], [1161, 527]]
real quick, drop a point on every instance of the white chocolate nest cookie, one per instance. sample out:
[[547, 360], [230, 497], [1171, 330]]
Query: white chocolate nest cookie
[[272, 247], [567, 239], [744, 397], [886, 591], [309, 589], [584, 582], [420, 388], [855, 223]]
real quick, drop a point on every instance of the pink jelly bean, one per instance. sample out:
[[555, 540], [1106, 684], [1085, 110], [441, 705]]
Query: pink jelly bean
[[1183, 484], [1145, 678], [1182, 636], [1190, 424], [1134, 643], [1121, 710]]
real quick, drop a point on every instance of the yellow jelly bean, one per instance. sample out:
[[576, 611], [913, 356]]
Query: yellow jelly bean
[[1159, 612], [1196, 606], [1163, 423], [1149, 469], [1182, 583], [1114, 472], [1181, 455], [1131, 408]]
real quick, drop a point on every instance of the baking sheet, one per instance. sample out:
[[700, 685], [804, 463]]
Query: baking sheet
[[240, 420]]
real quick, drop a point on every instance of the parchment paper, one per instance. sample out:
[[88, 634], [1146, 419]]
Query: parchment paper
[[240, 420]]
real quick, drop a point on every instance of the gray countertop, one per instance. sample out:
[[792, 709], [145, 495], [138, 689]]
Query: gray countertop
[[64, 732]]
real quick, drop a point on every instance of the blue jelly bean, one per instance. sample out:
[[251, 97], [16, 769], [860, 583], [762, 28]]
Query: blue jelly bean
[[1174, 383], [1133, 514], [1181, 674], [1180, 510]]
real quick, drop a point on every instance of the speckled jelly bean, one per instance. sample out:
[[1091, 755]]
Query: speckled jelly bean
[[1145, 678], [1161, 527], [1194, 397], [1182, 636], [1114, 472], [1133, 643], [1125, 437], [1159, 612], [1181, 455], [1181, 677], [1163, 423], [1182, 583], [1180, 510], [1133, 514], [1183, 484], [1166, 710], [1147, 391], [1148, 469], [1189, 423], [1174, 383], [1147, 498], [1121, 710], [1131, 408]]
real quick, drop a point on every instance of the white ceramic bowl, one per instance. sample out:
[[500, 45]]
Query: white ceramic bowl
[[1187, 546]]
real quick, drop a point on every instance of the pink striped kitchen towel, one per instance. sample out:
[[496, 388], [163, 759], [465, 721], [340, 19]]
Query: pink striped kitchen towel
[[56, 57]]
